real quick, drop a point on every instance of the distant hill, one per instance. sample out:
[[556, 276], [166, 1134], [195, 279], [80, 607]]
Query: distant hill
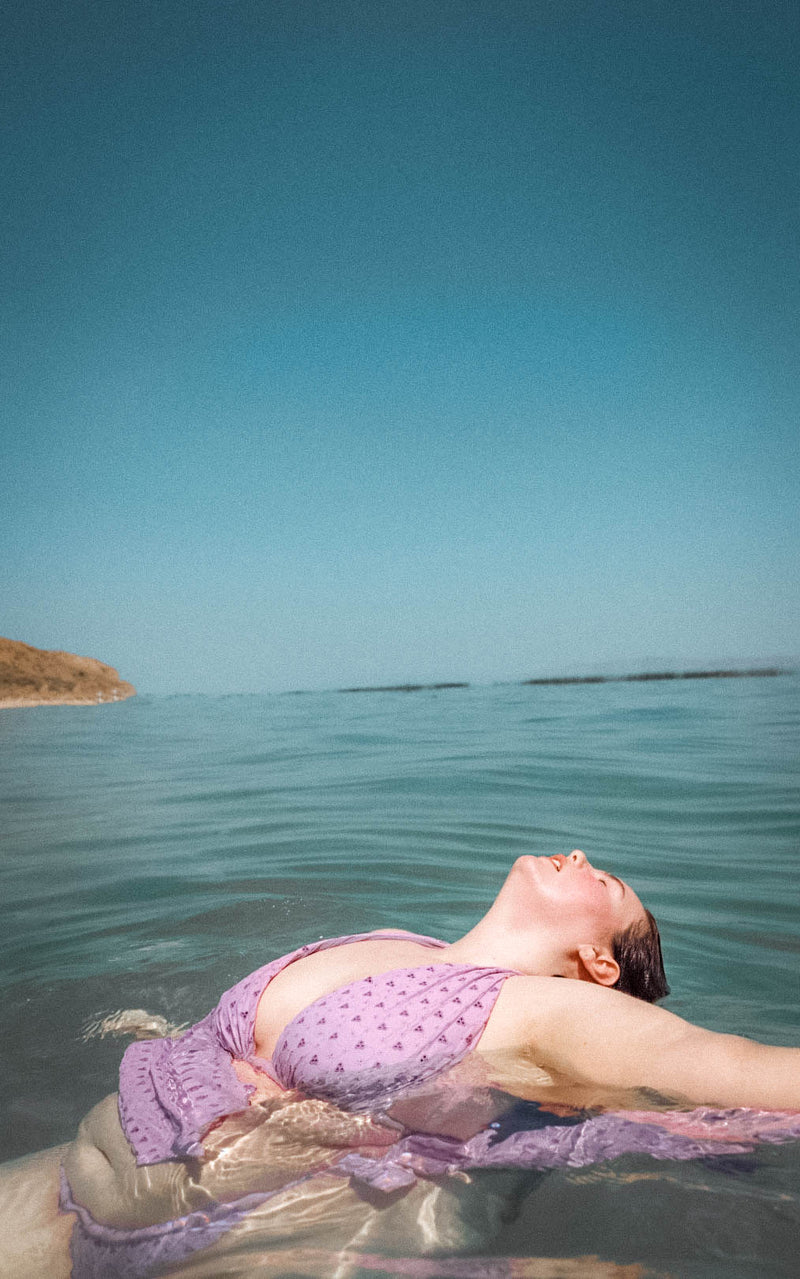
[[38, 677]]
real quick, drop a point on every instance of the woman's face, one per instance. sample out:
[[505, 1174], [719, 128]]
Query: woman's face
[[574, 900]]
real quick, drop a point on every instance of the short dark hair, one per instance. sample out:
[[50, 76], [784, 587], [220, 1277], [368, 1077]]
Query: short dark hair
[[637, 950]]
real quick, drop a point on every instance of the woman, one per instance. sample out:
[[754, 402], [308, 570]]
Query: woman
[[396, 1036]]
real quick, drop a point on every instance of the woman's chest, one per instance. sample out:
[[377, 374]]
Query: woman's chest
[[362, 1043], [324, 975]]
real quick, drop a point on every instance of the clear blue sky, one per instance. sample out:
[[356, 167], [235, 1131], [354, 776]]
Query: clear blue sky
[[365, 342]]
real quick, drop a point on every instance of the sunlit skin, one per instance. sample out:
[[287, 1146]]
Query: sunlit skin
[[569, 893], [554, 916]]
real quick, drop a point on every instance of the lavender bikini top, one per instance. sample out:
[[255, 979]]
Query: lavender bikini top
[[359, 1047]]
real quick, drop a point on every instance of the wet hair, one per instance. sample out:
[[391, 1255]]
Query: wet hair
[[637, 950]]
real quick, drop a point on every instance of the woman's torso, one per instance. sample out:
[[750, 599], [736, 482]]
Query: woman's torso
[[298, 987]]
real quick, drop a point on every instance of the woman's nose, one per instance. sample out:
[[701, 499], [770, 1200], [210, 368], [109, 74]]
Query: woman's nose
[[578, 858]]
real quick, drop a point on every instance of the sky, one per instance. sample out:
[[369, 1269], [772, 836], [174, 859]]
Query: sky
[[365, 342]]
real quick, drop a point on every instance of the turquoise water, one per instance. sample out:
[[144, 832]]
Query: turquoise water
[[155, 851]]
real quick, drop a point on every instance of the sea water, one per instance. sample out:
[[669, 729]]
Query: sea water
[[155, 851]]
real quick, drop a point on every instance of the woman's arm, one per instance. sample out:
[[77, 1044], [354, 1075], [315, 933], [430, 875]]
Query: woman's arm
[[594, 1035]]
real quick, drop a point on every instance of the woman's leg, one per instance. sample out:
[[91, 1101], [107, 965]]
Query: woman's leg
[[34, 1235]]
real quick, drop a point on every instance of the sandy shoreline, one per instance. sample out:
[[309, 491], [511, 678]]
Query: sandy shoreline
[[20, 703]]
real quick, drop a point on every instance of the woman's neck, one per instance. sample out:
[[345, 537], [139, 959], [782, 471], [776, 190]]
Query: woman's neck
[[493, 944]]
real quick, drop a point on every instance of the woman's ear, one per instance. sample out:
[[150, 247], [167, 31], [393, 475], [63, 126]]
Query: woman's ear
[[598, 965]]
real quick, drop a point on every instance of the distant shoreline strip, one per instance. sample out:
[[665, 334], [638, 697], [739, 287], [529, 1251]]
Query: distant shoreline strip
[[399, 688], [645, 676], [642, 678]]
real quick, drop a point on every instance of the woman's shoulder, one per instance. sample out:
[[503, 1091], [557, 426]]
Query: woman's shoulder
[[521, 1004], [537, 1009]]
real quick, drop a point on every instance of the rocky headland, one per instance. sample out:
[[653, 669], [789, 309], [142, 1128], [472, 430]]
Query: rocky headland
[[38, 677]]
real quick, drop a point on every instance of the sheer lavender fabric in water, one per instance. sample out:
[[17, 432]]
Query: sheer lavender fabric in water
[[101, 1252], [700, 1133]]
